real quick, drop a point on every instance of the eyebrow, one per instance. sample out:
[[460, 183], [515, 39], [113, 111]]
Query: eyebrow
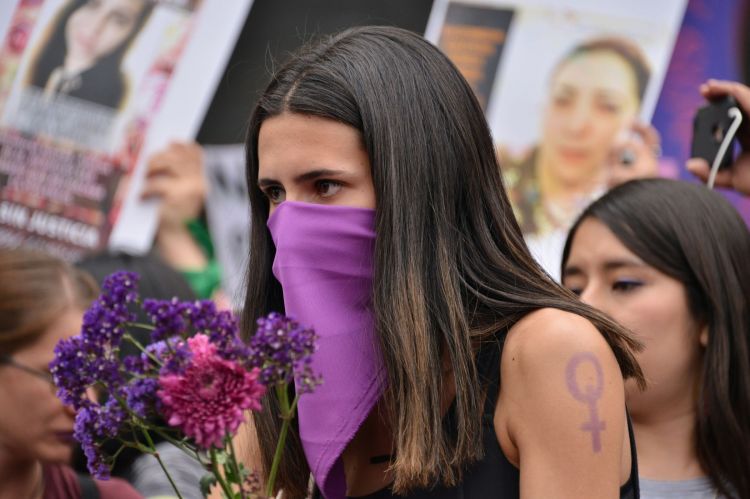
[[606, 92], [574, 270], [611, 93], [304, 177]]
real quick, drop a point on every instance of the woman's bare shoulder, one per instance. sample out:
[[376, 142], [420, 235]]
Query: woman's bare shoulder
[[550, 332]]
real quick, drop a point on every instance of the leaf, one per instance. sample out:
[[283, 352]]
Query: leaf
[[244, 471], [207, 482], [221, 458], [230, 475]]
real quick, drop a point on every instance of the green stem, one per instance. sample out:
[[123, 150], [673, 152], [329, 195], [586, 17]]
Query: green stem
[[142, 349], [161, 463], [177, 443], [286, 416], [141, 325], [235, 465], [190, 451], [227, 490], [294, 405]]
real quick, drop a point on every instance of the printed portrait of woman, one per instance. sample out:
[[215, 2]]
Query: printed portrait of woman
[[82, 54], [594, 93]]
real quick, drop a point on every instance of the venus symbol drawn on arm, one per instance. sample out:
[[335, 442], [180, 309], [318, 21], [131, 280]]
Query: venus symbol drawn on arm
[[589, 395]]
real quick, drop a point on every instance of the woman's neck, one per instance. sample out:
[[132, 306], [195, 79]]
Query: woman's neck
[[666, 446], [20, 479], [368, 456]]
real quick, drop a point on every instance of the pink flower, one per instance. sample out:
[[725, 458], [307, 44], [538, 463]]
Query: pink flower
[[209, 398]]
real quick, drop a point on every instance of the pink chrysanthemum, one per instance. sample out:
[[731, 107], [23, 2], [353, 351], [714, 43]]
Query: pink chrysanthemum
[[209, 398]]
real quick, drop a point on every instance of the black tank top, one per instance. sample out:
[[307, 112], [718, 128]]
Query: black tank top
[[494, 476]]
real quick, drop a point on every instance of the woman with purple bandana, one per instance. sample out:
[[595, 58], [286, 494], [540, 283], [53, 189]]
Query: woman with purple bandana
[[380, 219]]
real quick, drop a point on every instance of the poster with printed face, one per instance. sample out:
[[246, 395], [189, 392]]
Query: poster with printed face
[[559, 82], [88, 88]]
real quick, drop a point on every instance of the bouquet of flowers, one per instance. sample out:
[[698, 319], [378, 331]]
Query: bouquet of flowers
[[192, 385]]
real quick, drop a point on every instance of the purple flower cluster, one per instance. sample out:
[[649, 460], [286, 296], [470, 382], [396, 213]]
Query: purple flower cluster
[[196, 372], [94, 424], [166, 316], [283, 350], [92, 355], [174, 318], [91, 359]]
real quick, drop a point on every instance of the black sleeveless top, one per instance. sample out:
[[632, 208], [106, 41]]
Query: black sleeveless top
[[493, 475]]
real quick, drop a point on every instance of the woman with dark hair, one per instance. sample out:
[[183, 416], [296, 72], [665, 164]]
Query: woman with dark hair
[[84, 50], [379, 218], [595, 93], [42, 301], [671, 261]]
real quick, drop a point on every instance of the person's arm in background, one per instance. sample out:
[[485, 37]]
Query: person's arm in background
[[738, 176], [175, 176]]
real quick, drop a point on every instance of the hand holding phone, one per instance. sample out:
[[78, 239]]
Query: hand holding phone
[[737, 176], [714, 128]]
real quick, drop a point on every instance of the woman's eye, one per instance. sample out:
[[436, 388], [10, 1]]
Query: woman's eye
[[626, 286], [562, 100], [327, 188], [609, 107], [275, 194], [122, 20], [575, 287]]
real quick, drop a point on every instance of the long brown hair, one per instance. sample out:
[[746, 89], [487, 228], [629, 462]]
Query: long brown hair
[[34, 289], [451, 266], [696, 236], [104, 82]]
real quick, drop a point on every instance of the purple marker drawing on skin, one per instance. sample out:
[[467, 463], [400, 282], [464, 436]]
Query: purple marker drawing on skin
[[589, 396]]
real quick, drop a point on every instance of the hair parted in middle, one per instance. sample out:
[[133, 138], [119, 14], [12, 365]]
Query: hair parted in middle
[[452, 270]]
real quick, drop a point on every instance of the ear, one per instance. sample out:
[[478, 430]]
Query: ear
[[703, 338]]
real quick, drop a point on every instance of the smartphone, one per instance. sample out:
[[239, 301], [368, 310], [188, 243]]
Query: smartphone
[[710, 127]]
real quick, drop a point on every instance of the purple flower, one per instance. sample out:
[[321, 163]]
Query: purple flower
[[141, 396], [119, 289], [220, 326], [94, 424], [208, 400], [96, 460], [283, 349], [136, 364], [172, 353], [202, 314], [167, 316], [79, 363], [172, 318], [202, 385], [104, 322]]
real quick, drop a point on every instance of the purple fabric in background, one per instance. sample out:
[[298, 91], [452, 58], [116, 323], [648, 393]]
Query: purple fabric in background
[[324, 264], [709, 45]]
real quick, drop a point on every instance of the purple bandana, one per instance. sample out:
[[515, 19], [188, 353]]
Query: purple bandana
[[324, 264]]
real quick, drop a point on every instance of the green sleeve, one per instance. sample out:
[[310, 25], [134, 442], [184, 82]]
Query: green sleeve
[[206, 281]]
